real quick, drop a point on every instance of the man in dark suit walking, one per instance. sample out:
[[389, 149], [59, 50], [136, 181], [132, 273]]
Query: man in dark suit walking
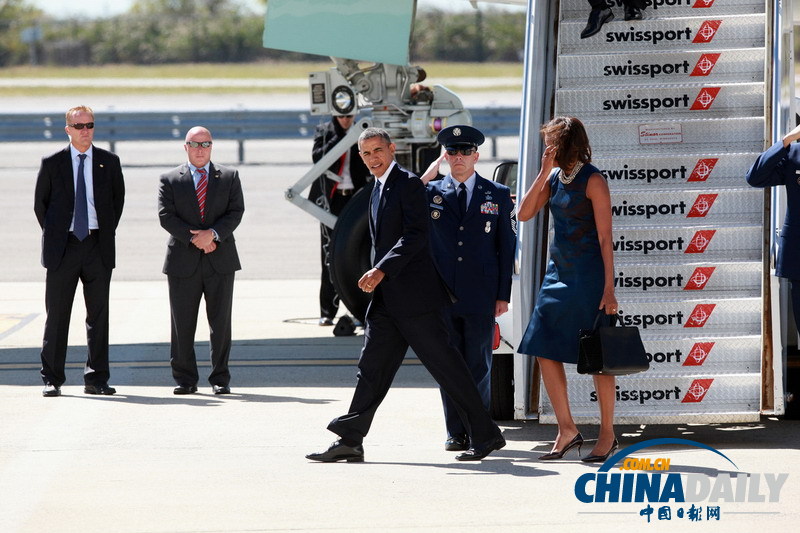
[[78, 202], [407, 309], [200, 204], [473, 238]]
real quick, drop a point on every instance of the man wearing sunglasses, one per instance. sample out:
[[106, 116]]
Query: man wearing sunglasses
[[473, 239], [200, 204], [78, 201]]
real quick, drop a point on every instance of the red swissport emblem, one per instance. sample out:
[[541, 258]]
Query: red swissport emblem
[[702, 205], [703, 3], [697, 356], [697, 391], [705, 65], [707, 31], [700, 241], [699, 278], [700, 315], [702, 170], [705, 98]]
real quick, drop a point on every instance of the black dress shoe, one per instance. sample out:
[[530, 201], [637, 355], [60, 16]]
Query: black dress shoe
[[101, 388], [601, 458], [339, 452], [51, 390], [184, 389], [477, 453], [325, 321], [633, 13], [597, 18], [221, 389], [457, 444]]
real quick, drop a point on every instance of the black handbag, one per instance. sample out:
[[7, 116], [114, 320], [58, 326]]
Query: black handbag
[[610, 350]]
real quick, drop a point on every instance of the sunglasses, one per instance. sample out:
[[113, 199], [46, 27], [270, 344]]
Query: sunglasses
[[195, 144], [80, 126], [466, 152]]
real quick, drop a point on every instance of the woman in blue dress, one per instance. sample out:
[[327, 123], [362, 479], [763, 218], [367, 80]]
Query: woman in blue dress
[[579, 280]]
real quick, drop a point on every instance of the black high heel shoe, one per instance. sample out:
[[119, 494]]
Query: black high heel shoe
[[576, 441], [601, 458]]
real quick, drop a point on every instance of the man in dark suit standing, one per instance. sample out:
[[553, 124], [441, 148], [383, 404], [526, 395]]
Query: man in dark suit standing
[[200, 204], [473, 239], [78, 203], [407, 309], [332, 196], [779, 165]]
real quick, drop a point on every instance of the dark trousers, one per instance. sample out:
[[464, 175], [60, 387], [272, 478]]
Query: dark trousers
[[386, 340], [81, 262], [472, 335], [184, 303], [328, 299]]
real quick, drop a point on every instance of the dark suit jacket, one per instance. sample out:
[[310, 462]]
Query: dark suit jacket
[[412, 286], [781, 166], [475, 255], [179, 212], [54, 203], [326, 136]]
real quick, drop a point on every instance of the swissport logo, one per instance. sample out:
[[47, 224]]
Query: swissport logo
[[700, 315], [703, 3], [702, 170], [705, 98], [697, 391], [705, 64], [698, 354], [707, 31], [699, 278], [700, 241], [702, 205]]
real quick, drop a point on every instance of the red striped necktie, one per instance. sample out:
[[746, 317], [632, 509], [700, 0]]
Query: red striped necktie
[[202, 185]]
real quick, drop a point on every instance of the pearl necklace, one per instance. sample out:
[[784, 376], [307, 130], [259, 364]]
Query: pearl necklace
[[566, 180]]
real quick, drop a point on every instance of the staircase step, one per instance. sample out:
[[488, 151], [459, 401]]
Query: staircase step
[[679, 137], [646, 68], [709, 207], [694, 33], [691, 244], [687, 280], [674, 102], [579, 9], [686, 171]]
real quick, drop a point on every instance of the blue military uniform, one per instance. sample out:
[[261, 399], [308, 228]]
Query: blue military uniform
[[780, 165], [474, 254]]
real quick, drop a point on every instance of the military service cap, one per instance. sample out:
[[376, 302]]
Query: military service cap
[[457, 136]]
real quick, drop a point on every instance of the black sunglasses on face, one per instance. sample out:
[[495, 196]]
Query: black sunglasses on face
[[466, 152], [195, 144], [81, 125]]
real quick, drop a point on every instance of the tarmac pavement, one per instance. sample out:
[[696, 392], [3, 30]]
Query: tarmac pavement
[[147, 461]]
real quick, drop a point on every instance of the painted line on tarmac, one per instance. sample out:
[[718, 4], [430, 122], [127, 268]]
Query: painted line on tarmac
[[165, 364], [20, 322]]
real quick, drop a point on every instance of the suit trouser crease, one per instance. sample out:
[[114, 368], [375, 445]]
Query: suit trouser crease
[[185, 295], [472, 335], [82, 262], [386, 340]]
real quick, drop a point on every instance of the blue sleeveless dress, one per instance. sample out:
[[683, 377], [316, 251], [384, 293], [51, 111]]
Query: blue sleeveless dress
[[573, 284]]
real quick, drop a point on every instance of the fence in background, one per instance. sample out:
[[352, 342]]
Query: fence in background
[[240, 125]]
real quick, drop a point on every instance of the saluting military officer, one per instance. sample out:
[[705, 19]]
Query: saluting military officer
[[473, 239]]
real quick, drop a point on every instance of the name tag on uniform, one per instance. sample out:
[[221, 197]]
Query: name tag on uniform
[[490, 208]]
